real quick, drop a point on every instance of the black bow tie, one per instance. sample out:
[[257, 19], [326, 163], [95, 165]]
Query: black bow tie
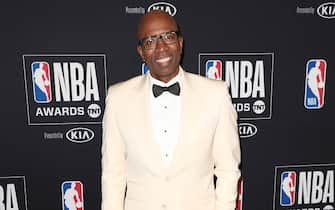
[[174, 89]]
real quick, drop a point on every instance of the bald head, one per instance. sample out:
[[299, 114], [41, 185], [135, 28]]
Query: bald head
[[153, 21]]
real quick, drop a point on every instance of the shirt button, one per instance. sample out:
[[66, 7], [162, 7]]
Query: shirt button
[[164, 206]]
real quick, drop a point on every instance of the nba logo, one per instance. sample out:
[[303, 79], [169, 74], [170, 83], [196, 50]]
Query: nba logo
[[214, 69], [145, 68], [287, 188], [41, 82], [315, 83], [72, 195]]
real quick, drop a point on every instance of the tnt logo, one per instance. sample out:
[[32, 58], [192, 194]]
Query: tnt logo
[[41, 82], [72, 195], [287, 188], [315, 83], [214, 69]]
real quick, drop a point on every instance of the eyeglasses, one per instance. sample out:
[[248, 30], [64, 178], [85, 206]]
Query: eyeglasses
[[150, 42]]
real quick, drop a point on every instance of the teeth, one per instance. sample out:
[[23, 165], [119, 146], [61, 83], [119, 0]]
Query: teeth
[[162, 60]]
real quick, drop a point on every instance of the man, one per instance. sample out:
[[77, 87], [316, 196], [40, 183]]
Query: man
[[161, 149]]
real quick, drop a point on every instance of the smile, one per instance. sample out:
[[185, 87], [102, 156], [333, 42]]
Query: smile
[[163, 60]]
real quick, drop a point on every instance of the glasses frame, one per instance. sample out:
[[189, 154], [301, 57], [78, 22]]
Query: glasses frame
[[155, 38]]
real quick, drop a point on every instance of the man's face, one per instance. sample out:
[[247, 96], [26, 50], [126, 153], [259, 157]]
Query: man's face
[[164, 58]]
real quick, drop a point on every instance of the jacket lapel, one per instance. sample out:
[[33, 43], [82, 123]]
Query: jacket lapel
[[186, 112]]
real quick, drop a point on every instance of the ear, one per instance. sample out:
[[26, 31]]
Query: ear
[[140, 52], [181, 42]]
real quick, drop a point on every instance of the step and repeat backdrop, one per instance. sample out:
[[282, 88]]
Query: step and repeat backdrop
[[59, 57]]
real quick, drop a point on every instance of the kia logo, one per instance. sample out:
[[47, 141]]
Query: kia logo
[[247, 130], [79, 135], [164, 6], [327, 10]]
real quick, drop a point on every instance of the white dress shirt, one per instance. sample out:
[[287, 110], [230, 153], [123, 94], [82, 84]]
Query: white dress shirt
[[165, 119]]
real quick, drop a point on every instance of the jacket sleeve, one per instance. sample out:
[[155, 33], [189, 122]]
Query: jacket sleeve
[[227, 155], [113, 162]]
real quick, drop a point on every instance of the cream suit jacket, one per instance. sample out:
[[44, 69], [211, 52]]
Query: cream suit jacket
[[131, 162]]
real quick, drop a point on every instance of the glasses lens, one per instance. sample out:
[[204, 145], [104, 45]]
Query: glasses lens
[[170, 37], [148, 43], [151, 41]]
